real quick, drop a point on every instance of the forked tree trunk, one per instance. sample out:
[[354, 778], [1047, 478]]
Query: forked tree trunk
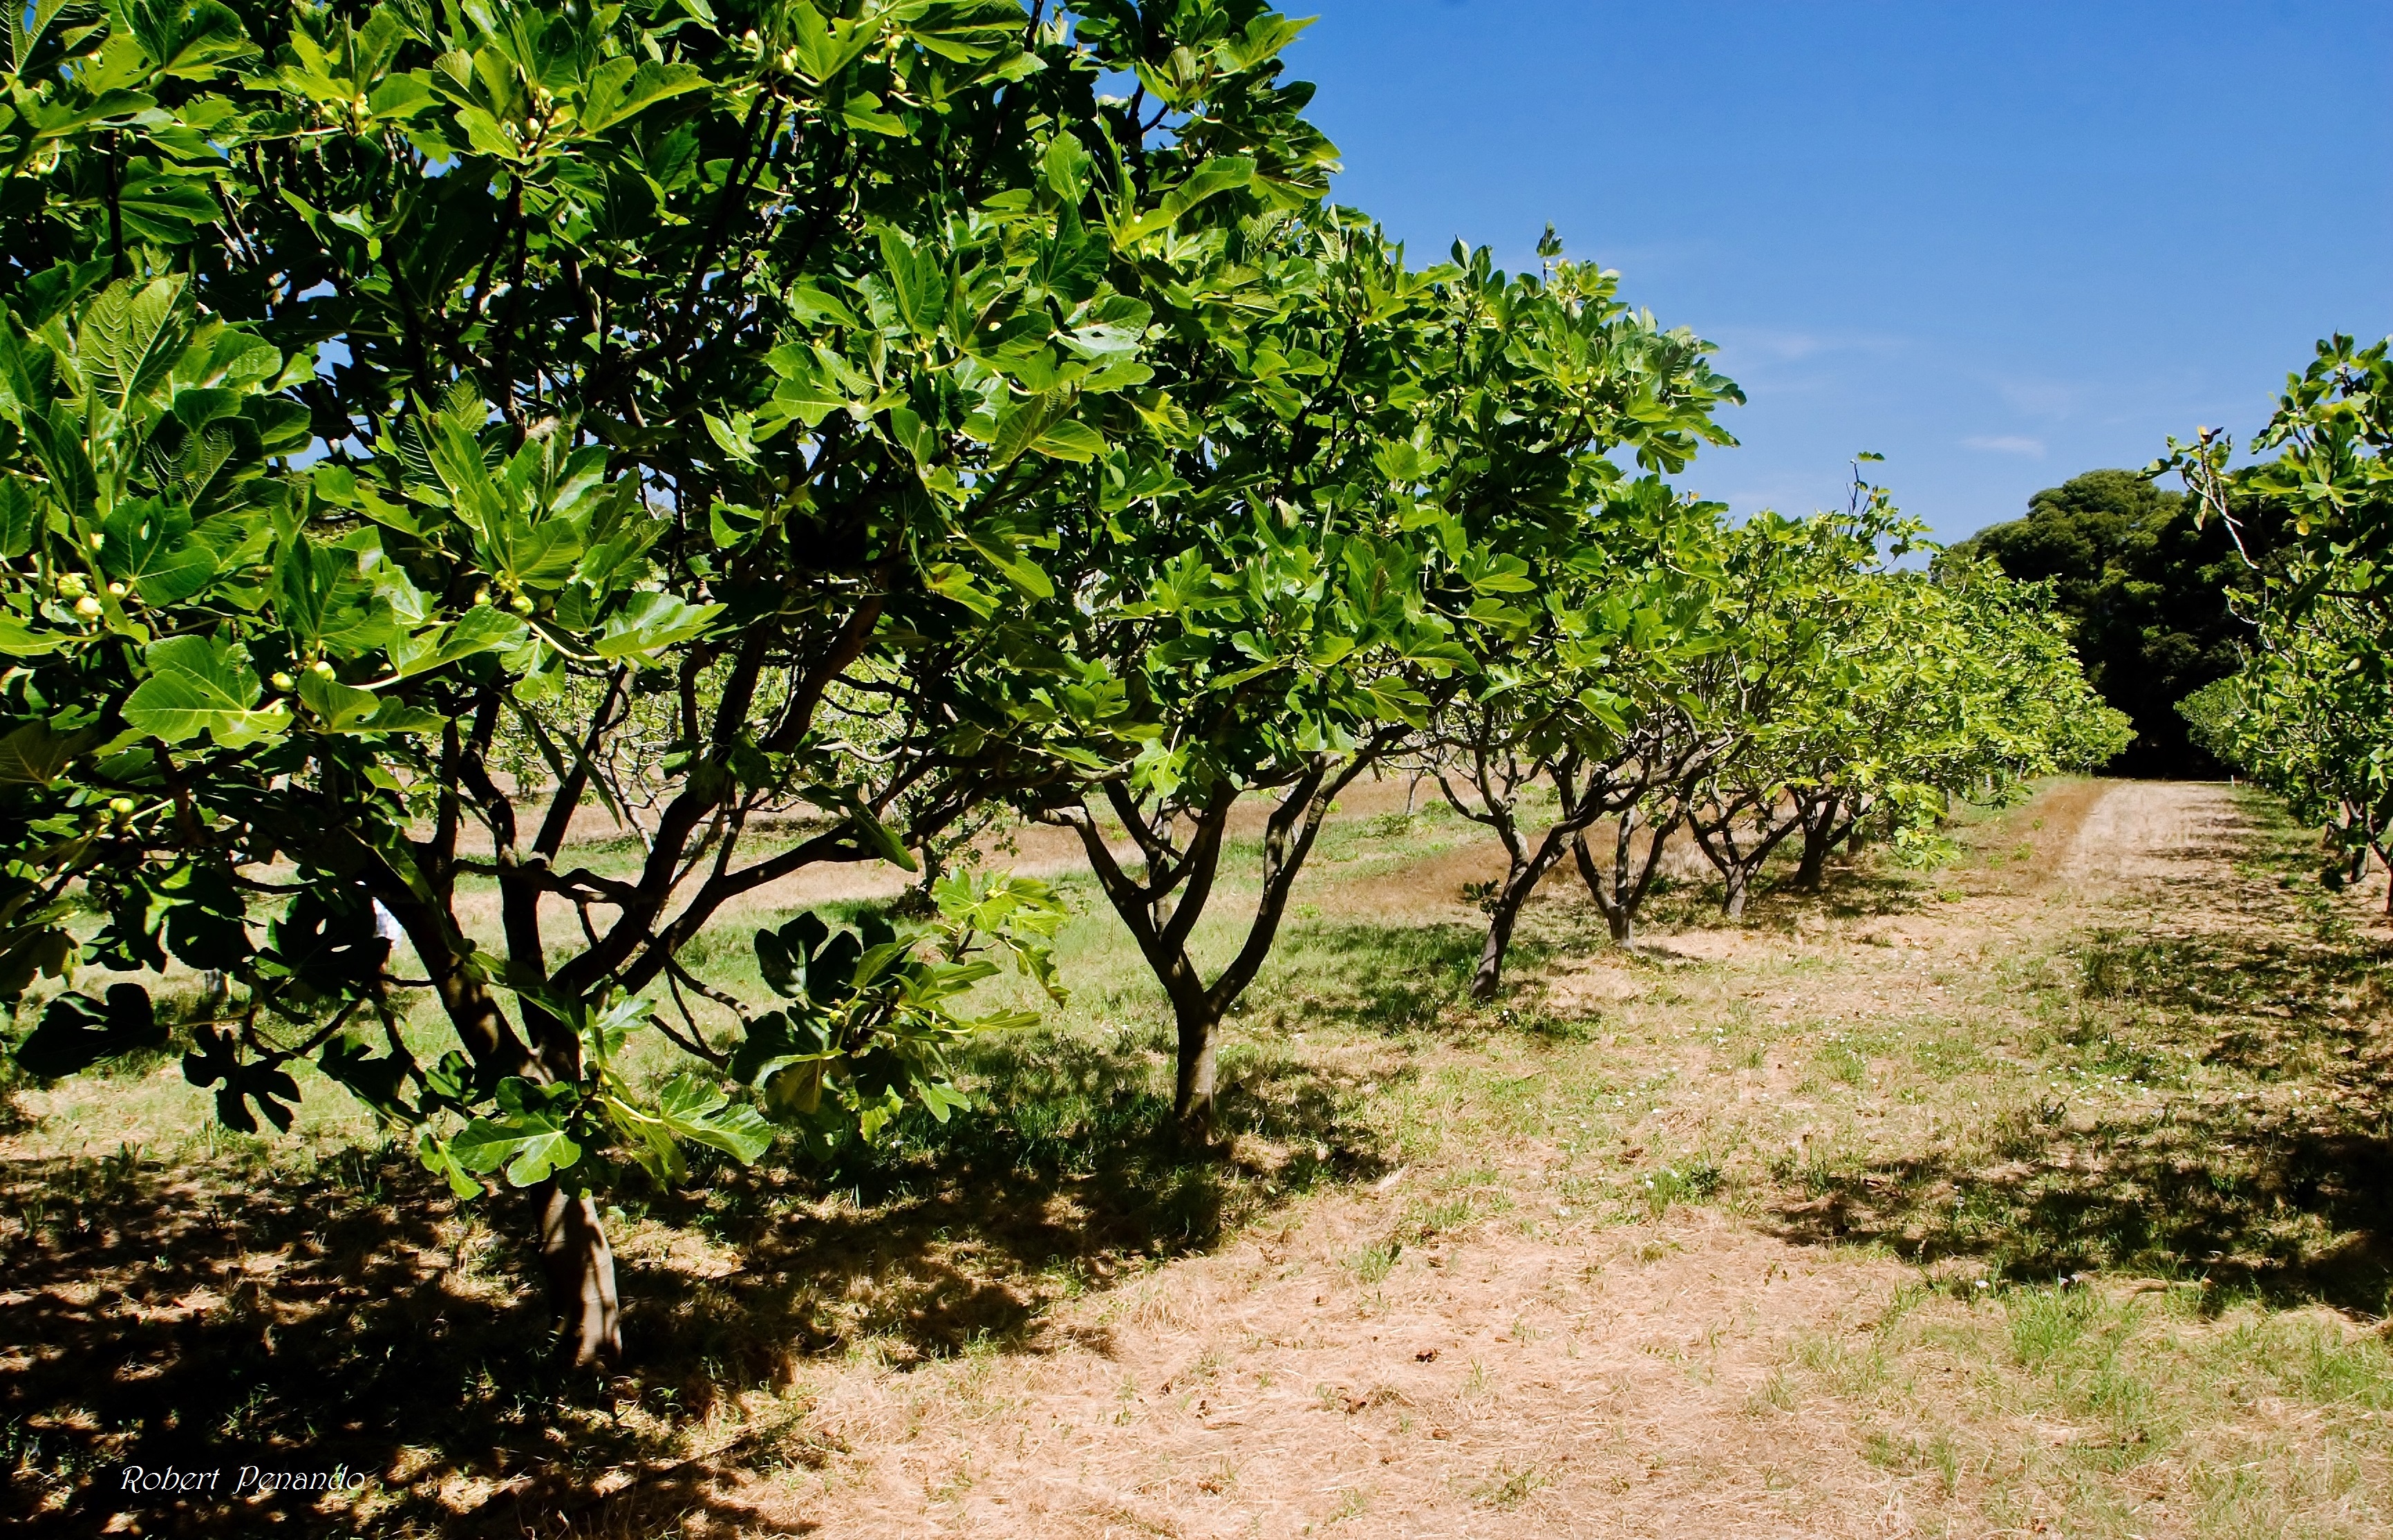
[[1738, 864], [1526, 865], [1716, 839], [1616, 920], [1620, 893], [1504, 912], [1162, 908], [580, 1267], [1822, 834]]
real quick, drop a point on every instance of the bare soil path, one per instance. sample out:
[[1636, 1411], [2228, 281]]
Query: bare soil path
[[2148, 835]]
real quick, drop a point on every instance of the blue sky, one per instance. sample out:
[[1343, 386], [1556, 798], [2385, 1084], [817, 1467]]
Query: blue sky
[[1999, 242]]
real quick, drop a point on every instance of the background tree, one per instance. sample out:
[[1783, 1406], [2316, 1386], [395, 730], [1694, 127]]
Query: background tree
[[1584, 708], [1863, 699], [1267, 632], [1970, 691], [2304, 718], [2148, 586]]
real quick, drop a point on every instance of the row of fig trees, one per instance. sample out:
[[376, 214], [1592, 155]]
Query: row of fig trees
[[2309, 716], [1750, 684], [791, 433]]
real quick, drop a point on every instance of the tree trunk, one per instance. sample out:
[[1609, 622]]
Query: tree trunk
[[1821, 834], [575, 1258], [580, 1267], [1193, 1078], [1161, 909], [1617, 907], [1501, 921], [1529, 868], [1733, 900], [1719, 846]]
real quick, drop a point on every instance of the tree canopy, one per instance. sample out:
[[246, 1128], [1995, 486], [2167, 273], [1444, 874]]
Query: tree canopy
[[679, 381]]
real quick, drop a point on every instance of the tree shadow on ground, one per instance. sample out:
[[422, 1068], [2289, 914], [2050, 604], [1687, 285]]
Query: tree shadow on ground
[[186, 1322], [351, 1316], [1061, 1179], [2255, 1010], [1388, 980], [1863, 886], [1858, 889], [1398, 982]]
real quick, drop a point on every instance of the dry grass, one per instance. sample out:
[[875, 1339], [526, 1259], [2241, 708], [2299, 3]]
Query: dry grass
[[2036, 1194]]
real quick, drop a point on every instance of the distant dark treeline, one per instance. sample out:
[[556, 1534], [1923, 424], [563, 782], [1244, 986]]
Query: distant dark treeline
[[2148, 590]]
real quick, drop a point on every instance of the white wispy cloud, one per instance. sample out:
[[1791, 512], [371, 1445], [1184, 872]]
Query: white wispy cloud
[[2043, 397], [1778, 344], [2006, 443]]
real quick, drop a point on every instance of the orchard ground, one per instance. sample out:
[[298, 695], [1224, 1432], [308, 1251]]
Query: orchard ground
[[2046, 1191]]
